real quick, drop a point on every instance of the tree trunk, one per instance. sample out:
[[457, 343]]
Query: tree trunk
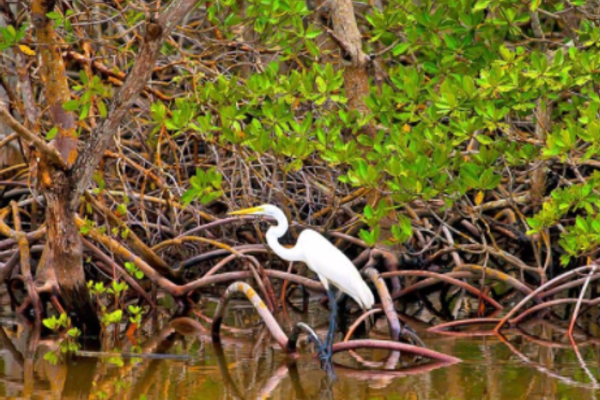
[[356, 83], [64, 250], [64, 253], [356, 76], [63, 173]]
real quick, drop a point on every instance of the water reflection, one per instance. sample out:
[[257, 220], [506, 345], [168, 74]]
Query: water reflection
[[180, 361]]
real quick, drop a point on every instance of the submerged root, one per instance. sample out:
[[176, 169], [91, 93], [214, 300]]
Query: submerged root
[[259, 305], [289, 344], [386, 302]]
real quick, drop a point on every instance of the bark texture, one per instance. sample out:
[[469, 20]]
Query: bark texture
[[64, 251], [356, 80], [347, 36], [62, 173]]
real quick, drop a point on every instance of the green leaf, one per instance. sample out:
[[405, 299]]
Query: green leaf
[[481, 5], [400, 48], [312, 32], [484, 139], [581, 224], [71, 105], [74, 332], [54, 15], [102, 109], [51, 134], [51, 357], [321, 85], [50, 323]]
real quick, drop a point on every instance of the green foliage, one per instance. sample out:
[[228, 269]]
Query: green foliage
[[581, 200], [70, 342], [108, 318], [136, 314], [117, 289], [206, 187], [117, 362], [90, 225], [9, 36], [403, 230], [62, 20], [56, 324], [51, 357], [51, 134], [93, 91], [114, 293], [370, 237], [460, 75], [133, 270], [99, 179], [180, 118], [96, 288]]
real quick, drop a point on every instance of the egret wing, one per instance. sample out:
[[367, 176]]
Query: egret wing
[[330, 263]]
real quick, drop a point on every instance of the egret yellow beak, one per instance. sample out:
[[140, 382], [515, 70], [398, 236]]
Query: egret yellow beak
[[252, 210]]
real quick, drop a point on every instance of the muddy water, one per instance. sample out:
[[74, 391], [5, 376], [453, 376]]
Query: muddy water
[[185, 364]]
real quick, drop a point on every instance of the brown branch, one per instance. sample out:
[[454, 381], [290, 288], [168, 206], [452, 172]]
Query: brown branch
[[156, 32], [445, 278], [386, 302], [126, 254], [8, 139], [112, 72], [134, 241], [40, 144], [54, 77], [491, 273], [539, 290], [393, 346], [110, 262]]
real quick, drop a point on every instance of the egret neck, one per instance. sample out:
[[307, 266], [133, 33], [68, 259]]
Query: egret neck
[[277, 231]]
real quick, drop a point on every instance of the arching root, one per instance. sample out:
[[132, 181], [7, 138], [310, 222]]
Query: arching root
[[289, 345], [259, 305]]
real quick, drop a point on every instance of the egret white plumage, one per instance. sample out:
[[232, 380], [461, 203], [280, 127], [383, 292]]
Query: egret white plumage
[[331, 265]]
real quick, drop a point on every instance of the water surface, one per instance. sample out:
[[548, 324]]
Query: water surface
[[185, 364]]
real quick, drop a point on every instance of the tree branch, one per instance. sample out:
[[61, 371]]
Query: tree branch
[[54, 78], [39, 143], [156, 32]]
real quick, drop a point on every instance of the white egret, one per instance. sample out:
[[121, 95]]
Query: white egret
[[331, 265]]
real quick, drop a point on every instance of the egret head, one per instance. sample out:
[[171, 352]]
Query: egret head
[[265, 209]]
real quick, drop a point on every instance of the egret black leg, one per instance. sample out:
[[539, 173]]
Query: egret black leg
[[333, 317], [325, 352]]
